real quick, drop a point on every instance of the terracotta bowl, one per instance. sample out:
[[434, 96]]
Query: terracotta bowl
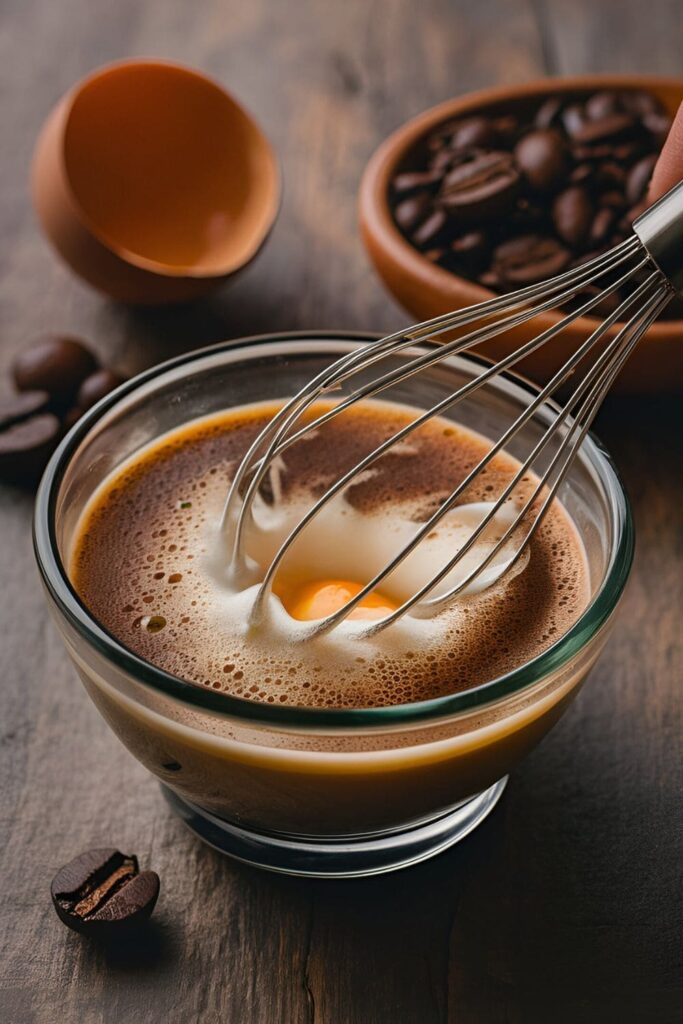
[[153, 183], [427, 290]]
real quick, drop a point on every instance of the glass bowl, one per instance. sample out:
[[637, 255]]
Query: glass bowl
[[306, 791]]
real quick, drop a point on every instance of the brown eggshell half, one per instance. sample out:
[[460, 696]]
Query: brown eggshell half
[[152, 183]]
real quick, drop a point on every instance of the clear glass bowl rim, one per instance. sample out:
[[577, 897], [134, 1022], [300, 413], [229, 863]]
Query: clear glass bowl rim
[[56, 581]]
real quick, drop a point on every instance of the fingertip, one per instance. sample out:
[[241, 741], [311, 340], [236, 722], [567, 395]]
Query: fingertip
[[668, 170]]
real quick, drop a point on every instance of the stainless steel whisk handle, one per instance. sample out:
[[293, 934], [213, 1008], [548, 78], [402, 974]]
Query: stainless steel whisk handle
[[660, 229]]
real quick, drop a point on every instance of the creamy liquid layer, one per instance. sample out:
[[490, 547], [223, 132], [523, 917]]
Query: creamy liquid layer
[[149, 561]]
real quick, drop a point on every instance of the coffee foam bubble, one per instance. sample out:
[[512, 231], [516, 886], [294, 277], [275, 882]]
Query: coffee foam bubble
[[156, 518]]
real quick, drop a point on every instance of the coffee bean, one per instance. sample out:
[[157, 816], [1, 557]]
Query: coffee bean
[[641, 103], [627, 151], [547, 113], [55, 364], [410, 212], [542, 157], [602, 224], [529, 258], [659, 125], [639, 178], [442, 136], [616, 200], [484, 187], [26, 446], [441, 161], [581, 173], [471, 251], [474, 133], [19, 407], [573, 215], [506, 127], [490, 279], [412, 181], [609, 127], [601, 105], [430, 229], [573, 119], [103, 892], [610, 175], [96, 386], [434, 255]]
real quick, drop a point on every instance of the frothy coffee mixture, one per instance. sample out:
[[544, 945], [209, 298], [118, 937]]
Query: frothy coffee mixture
[[149, 562]]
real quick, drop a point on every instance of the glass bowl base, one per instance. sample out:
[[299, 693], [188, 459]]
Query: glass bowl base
[[339, 856]]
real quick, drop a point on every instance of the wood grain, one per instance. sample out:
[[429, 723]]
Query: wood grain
[[565, 906]]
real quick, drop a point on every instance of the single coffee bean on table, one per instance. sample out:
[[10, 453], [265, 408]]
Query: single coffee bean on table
[[103, 893], [14, 408], [55, 364], [26, 446], [513, 194]]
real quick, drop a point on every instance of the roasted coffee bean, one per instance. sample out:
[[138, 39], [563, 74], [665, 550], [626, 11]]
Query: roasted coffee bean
[[529, 258], [490, 279], [103, 892], [610, 175], [413, 181], [601, 105], [659, 125], [442, 160], [435, 255], [442, 136], [26, 446], [603, 223], [573, 119], [639, 178], [640, 103], [96, 386], [547, 114], [474, 133], [484, 187], [429, 231], [55, 364], [410, 212], [471, 251], [542, 157], [627, 151], [610, 127], [19, 407], [506, 127], [615, 199], [581, 173], [573, 215]]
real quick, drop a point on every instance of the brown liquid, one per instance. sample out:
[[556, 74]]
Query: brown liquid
[[139, 564]]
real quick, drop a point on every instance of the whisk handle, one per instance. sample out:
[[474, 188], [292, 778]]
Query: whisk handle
[[660, 229]]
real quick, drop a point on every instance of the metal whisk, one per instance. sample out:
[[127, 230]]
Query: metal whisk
[[653, 256]]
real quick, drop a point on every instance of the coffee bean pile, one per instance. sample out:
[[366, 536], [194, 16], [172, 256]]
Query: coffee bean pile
[[512, 198], [56, 380]]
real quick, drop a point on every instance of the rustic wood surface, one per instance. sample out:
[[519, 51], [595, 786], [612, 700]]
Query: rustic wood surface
[[565, 906]]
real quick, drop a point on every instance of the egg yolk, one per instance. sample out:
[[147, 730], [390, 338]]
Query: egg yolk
[[321, 598]]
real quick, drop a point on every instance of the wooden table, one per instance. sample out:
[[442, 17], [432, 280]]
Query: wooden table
[[565, 906]]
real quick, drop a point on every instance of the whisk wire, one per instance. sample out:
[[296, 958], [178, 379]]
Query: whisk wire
[[436, 410], [328, 623], [346, 366], [650, 261]]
